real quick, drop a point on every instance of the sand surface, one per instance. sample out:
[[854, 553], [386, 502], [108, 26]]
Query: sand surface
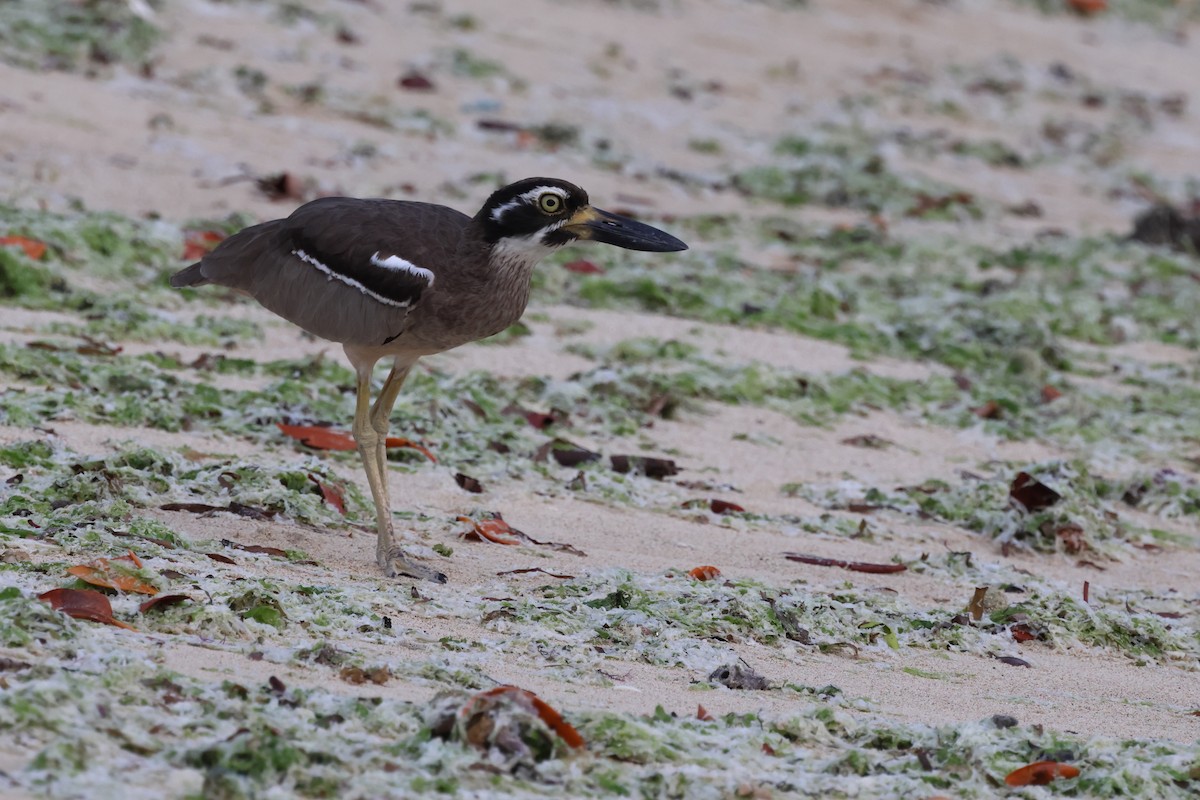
[[183, 143]]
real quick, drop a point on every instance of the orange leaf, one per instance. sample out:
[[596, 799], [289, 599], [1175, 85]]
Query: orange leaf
[[197, 244], [1088, 7], [704, 573], [702, 714], [82, 604], [111, 574], [544, 710], [396, 441], [493, 530], [32, 247], [1040, 773], [583, 267], [330, 494], [318, 437]]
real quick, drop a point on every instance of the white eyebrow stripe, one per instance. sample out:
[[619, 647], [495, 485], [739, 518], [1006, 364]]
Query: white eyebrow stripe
[[398, 263], [306, 258], [527, 197]]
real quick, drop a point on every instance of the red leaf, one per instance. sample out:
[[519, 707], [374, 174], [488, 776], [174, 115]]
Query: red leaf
[[32, 247], [1050, 394], [330, 494], [1040, 773], [1087, 8], [583, 267], [493, 530], [989, 410], [545, 712], [1021, 633], [1032, 493], [318, 437], [396, 441], [704, 573], [82, 604], [197, 244]]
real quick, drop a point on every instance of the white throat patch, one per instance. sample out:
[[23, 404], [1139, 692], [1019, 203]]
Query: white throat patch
[[524, 251]]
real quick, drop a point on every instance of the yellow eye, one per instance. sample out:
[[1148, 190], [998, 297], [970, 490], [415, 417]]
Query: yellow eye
[[550, 203]]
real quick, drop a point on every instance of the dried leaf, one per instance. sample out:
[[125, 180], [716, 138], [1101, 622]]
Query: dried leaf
[[495, 529], [219, 557], [527, 570], [702, 714], [467, 482], [975, 606], [1073, 539], [715, 506], [32, 247], [1050, 394], [704, 573], [282, 186], [1040, 773], [233, 508], [583, 267], [869, 441], [736, 676], [398, 441], [113, 573], [989, 410], [657, 468], [1013, 661], [415, 82], [319, 437], [1087, 8], [855, 566], [332, 495], [197, 244], [1021, 633], [163, 601], [545, 712], [82, 604], [566, 454], [1031, 493], [255, 548]]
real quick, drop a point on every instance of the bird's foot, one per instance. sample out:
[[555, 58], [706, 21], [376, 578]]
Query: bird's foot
[[397, 562]]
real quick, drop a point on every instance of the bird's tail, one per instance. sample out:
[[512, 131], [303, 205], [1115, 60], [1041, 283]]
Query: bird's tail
[[189, 276]]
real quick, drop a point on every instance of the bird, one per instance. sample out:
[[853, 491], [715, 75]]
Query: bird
[[402, 279]]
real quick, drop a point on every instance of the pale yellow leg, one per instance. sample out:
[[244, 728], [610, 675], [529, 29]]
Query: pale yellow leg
[[371, 424]]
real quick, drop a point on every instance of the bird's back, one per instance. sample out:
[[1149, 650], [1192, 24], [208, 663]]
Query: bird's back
[[345, 269]]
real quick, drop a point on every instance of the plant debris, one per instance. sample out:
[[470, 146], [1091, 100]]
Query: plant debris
[[83, 604], [493, 528], [1041, 773], [854, 566], [115, 573]]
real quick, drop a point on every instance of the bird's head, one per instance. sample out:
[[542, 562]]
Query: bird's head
[[546, 213]]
